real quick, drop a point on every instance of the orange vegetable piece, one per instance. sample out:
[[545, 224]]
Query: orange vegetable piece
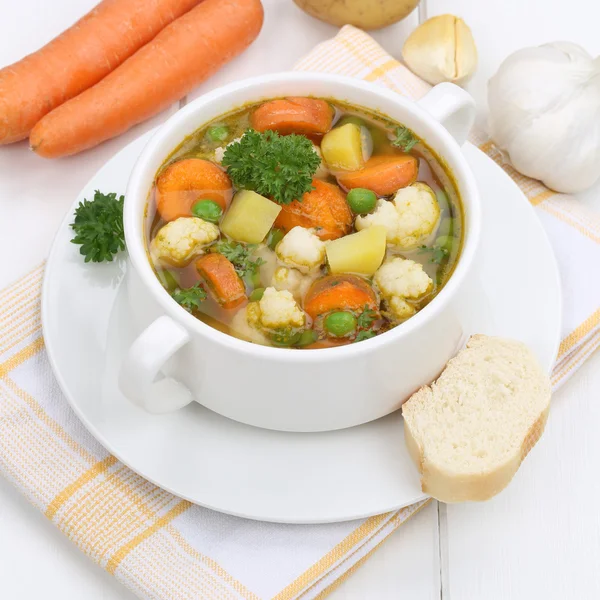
[[382, 174], [185, 182], [324, 208], [339, 292], [78, 58], [222, 279], [306, 116], [179, 58]]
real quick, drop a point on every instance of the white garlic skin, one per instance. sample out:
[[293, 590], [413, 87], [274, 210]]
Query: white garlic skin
[[544, 112], [441, 49]]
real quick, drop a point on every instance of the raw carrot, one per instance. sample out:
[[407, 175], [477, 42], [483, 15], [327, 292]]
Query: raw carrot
[[293, 115], [181, 56], [382, 174], [224, 283], [185, 182], [78, 58], [339, 292], [324, 208]]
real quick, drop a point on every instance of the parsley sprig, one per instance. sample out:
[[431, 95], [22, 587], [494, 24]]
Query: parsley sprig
[[279, 167], [405, 139], [241, 257], [438, 253], [98, 227], [365, 322], [190, 298]]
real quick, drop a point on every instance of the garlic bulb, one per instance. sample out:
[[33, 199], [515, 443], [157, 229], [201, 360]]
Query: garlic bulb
[[544, 108], [441, 49]]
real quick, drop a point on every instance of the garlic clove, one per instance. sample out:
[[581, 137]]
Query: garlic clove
[[441, 49]]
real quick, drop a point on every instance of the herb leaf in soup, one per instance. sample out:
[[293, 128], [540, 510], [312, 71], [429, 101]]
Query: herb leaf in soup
[[438, 253], [278, 167], [190, 298], [240, 257], [405, 139]]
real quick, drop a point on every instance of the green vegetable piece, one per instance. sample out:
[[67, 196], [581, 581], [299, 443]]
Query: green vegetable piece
[[285, 337], [340, 323], [405, 139], [361, 200], [366, 334], [208, 210], [218, 133], [307, 337], [274, 237], [351, 119], [256, 294], [445, 241], [190, 298], [98, 227], [168, 280], [274, 166], [366, 317], [446, 226]]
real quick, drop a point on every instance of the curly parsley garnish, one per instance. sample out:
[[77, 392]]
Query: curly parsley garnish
[[276, 166], [438, 253], [365, 334], [405, 139], [98, 227], [365, 321], [190, 298], [240, 256]]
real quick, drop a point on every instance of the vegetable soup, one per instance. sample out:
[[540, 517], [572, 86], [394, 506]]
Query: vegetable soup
[[303, 223]]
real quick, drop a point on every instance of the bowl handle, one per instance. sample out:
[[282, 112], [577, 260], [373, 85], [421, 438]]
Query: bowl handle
[[452, 107], [139, 378]]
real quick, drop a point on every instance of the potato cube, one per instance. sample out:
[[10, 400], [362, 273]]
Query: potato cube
[[342, 148], [361, 252], [250, 217]]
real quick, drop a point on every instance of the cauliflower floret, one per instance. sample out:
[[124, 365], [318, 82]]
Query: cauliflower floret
[[409, 219], [291, 280], [322, 171], [302, 249], [279, 310], [220, 151], [400, 279], [246, 324], [179, 241]]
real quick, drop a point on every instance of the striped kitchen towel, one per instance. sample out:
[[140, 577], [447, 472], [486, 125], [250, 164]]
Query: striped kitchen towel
[[165, 548]]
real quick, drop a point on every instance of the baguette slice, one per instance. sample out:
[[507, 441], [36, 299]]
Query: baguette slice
[[469, 430]]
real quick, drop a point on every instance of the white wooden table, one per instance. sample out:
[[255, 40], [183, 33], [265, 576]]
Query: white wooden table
[[538, 539]]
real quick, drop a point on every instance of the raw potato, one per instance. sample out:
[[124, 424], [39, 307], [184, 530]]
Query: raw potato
[[441, 49], [361, 252], [366, 14], [250, 217], [342, 148]]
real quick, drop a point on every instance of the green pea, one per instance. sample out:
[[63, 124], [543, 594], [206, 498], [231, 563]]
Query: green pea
[[218, 133], [274, 237], [340, 323], [208, 210], [256, 294], [307, 337], [445, 241], [361, 200], [350, 119]]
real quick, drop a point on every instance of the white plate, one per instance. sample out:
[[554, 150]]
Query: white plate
[[269, 475]]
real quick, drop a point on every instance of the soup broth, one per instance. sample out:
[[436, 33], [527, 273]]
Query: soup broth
[[372, 241]]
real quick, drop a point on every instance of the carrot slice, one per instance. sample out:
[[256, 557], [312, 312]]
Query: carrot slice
[[382, 174], [306, 116], [224, 283], [180, 57], [185, 182], [324, 208], [78, 58], [339, 292]]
